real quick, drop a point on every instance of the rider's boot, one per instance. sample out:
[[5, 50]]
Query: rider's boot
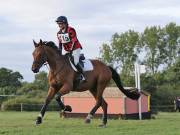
[[80, 70]]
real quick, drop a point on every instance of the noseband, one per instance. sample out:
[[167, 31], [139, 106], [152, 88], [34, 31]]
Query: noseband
[[40, 62]]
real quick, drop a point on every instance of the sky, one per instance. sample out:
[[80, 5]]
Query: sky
[[95, 22]]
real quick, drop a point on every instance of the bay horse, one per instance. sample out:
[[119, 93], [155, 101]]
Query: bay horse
[[61, 77]]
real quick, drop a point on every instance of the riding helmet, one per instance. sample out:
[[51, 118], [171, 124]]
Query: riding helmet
[[62, 19]]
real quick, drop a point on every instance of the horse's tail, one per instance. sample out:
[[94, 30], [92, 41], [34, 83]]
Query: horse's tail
[[133, 93]]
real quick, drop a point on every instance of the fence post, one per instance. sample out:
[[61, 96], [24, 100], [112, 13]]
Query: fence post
[[21, 107]]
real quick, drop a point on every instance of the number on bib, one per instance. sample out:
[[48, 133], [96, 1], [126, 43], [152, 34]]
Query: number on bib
[[64, 38]]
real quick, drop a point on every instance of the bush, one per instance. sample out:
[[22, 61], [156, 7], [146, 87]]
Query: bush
[[26, 104], [15, 104]]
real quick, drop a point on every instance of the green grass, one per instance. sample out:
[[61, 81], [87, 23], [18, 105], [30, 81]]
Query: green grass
[[17, 123]]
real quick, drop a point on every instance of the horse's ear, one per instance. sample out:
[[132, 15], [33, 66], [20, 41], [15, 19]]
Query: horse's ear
[[41, 42], [35, 44]]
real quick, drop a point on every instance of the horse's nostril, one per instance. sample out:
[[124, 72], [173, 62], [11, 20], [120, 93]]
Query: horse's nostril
[[35, 70], [32, 68]]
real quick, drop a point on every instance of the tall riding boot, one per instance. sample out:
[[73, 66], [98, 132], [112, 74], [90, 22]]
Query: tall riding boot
[[80, 70]]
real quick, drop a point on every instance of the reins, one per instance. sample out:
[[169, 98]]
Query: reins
[[46, 64]]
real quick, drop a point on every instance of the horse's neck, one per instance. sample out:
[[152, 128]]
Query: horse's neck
[[53, 58]]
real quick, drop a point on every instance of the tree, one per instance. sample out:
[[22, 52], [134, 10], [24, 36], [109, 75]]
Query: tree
[[122, 53], [172, 74], [37, 89], [151, 39], [124, 47], [9, 81], [172, 48], [41, 81], [106, 54], [162, 46]]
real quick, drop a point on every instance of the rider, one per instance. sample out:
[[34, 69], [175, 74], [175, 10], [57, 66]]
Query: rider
[[68, 40]]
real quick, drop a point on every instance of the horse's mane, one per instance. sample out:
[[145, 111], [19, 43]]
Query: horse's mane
[[50, 44]]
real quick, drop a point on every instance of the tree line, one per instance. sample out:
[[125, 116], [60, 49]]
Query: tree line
[[11, 83]]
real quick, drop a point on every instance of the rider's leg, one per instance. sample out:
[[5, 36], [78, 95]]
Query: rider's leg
[[76, 55]]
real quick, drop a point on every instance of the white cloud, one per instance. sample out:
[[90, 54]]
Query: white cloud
[[166, 11]]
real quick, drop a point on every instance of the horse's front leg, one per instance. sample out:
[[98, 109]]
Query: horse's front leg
[[66, 88], [50, 95], [61, 105]]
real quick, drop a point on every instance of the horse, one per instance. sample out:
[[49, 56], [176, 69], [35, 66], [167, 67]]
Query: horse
[[61, 78]]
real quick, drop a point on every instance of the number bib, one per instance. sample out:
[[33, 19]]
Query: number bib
[[64, 38]]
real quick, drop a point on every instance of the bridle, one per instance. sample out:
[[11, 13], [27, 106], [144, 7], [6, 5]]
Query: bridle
[[44, 59], [41, 62]]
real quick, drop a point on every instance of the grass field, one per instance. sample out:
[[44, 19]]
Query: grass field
[[22, 123]]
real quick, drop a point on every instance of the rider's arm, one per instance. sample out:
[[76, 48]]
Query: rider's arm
[[60, 48], [59, 44], [73, 36]]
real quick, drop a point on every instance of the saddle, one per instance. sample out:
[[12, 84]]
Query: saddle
[[81, 58], [86, 63], [86, 66]]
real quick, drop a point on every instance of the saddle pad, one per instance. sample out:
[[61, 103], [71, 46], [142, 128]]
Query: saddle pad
[[87, 65]]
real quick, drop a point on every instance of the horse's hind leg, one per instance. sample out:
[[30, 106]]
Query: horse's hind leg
[[92, 112], [104, 106], [94, 109], [99, 102]]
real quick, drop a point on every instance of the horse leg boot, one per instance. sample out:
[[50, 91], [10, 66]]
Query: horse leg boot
[[51, 93], [61, 104]]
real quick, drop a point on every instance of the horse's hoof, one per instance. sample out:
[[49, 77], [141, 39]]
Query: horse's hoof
[[102, 126], [87, 121], [38, 120], [68, 108]]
